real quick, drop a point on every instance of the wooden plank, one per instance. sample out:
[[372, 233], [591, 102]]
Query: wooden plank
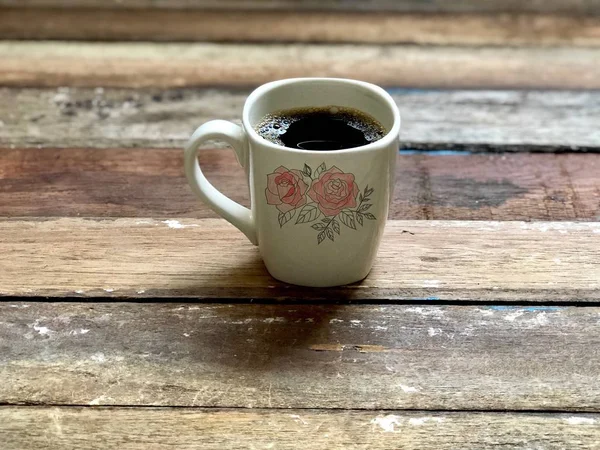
[[301, 26], [135, 428], [431, 119], [208, 258], [168, 65], [301, 356], [523, 186], [493, 6]]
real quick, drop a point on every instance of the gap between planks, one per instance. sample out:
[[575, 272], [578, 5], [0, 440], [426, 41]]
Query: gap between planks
[[438, 260], [301, 26], [200, 64]]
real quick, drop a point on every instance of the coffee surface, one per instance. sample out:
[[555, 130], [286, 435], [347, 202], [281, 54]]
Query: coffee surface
[[320, 128]]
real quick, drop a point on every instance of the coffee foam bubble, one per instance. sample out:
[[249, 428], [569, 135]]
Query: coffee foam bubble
[[274, 125]]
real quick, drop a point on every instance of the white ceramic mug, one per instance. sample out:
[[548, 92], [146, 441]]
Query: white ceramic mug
[[316, 216]]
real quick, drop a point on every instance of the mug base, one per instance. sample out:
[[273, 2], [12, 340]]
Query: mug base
[[324, 282]]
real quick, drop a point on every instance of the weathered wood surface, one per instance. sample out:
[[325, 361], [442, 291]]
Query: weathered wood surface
[[168, 65], [300, 26], [151, 183], [208, 258], [435, 119], [153, 428], [301, 356], [443, 6]]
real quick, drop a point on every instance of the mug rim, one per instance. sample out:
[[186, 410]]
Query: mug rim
[[387, 139]]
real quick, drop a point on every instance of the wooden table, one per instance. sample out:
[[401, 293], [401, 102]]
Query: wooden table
[[131, 317]]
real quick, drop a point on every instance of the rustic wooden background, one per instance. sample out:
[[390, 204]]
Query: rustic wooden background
[[131, 317]]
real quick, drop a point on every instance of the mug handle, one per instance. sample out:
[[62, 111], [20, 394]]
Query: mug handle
[[236, 214]]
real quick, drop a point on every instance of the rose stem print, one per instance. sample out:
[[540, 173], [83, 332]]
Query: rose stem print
[[331, 193]]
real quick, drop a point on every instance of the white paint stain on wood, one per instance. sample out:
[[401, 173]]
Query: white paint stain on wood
[[55, 415], [104, 317], [513, 315], [580, 420], [408, 389], [387, 423], [274, 320], [109, 290], [80, 331], [562, 228], [41, 329], [391, 422], [270, 398], [434, 331], [417, 421], [540, 319], [100, 400], [298, 419], [176, 224], [99, 357], [468, 331], [62, 96], [431, 283], [241, 322], [430, 311]]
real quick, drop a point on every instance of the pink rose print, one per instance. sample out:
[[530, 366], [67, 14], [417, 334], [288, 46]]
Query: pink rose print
[[334, 191], [286, 189], [308, 195]]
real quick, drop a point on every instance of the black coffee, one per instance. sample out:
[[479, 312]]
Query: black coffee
[[320, 128]]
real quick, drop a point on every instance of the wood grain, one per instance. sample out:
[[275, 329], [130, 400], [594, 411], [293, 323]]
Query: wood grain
[[300, 356], [431, 119], [65, 182], [301, 26], [178, 65], [125, 428], [494, 6], [208, 258]]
